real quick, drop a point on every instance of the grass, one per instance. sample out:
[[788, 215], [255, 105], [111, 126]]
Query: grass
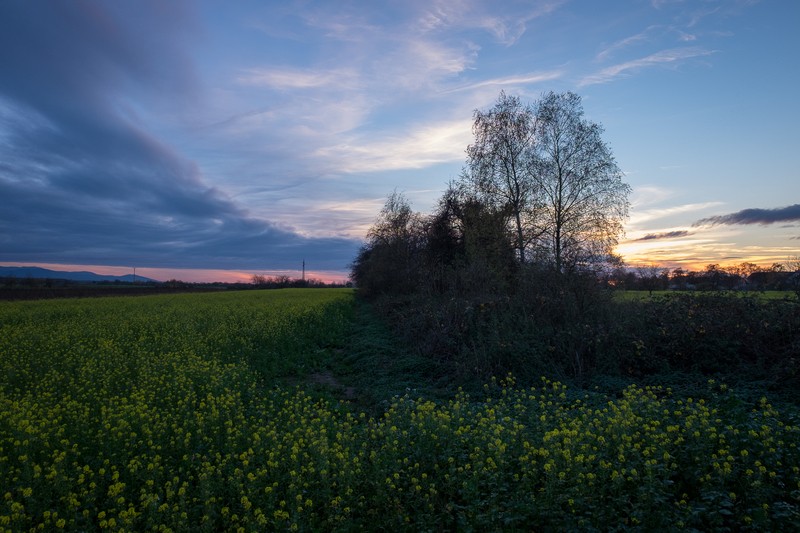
[[211, 412], [625, 295]]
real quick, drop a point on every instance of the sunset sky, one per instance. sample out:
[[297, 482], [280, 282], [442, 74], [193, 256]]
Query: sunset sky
[[208, 141]]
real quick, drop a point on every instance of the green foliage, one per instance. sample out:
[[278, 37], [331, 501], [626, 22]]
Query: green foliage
[[166, 413], [390, 260], [711, 333], [570, 328], [543, 457]]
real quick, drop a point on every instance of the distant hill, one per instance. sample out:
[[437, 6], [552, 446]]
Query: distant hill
[[36, 272]]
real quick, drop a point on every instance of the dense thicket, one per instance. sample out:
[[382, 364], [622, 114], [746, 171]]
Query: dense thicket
[[514, 270]]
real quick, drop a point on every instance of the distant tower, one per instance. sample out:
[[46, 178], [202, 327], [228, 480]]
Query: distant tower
[[304, 271], [134, 275]]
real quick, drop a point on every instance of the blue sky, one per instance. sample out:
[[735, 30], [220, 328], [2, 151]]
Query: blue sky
[[209, 140]]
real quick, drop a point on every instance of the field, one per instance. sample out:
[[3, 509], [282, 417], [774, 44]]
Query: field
[[292, 409], [761, 295]]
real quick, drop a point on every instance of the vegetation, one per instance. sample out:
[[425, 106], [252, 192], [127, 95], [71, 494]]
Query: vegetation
[[30, 288], [298, 409], [174, 413], [514, 270]]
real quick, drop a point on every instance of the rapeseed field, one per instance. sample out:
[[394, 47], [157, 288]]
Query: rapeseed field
[[166, 413]]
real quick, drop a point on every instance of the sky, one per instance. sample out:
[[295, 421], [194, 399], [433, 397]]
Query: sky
[[207, 141]]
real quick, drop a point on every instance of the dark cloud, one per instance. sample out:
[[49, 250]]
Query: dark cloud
[[82, 181], [754, 216], [665, 235], [45, 225]]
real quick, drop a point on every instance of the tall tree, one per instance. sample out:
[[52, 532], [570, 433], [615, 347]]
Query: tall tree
[[501, 167], [472, 239], [390, 260], [584, 200]]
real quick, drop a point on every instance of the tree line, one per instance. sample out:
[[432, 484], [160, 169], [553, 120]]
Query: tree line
[[540, 191], [745, 276], [513, 269]]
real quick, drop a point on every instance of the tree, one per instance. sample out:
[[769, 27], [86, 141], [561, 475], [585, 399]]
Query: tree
[[468, 241], [549, 169], [584, 200], [501, 165], [653, 277], [793, 266], [390, 260]]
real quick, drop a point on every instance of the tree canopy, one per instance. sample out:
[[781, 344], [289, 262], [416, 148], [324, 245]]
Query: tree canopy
[[540, 189]]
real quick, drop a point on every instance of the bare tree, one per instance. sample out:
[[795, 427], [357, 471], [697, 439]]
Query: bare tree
[[584, 200], [501, 166], [793, 266], [390, 260], [653, 277]]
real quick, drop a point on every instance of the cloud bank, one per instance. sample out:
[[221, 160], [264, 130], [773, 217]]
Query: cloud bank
[[665, 235], [754, 216], [186, 134], [83, 181]]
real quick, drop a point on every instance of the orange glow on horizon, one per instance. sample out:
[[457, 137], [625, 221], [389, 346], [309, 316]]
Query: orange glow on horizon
[[191, 275], [695, 255]]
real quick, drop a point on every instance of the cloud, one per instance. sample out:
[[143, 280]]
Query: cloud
[[420, 146], [626, 42], [754, 216], [645, 195], [84, 181], [50, 225], [673, 55], [525, 79], [506, 26], [293, 78], [340, 113], [665, 235], [658, 4], [639, 217]]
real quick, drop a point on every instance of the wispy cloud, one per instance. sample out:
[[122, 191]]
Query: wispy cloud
[[506, 25], [421, 65], [754, 216], [641, 216], [626, 42], [664, 235], [664, 57], [522, 80], [83, 181], [658, 4], [293, 78], [420, 146], [650, 194]]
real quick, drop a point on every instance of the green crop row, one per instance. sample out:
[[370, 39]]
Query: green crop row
[[160, 413]]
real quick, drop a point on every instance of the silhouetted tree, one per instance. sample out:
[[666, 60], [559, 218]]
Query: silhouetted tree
[[390, 260], [501, 165], [653, 277], [793, 281], [584, 200], [549, 171], [679, 278]]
